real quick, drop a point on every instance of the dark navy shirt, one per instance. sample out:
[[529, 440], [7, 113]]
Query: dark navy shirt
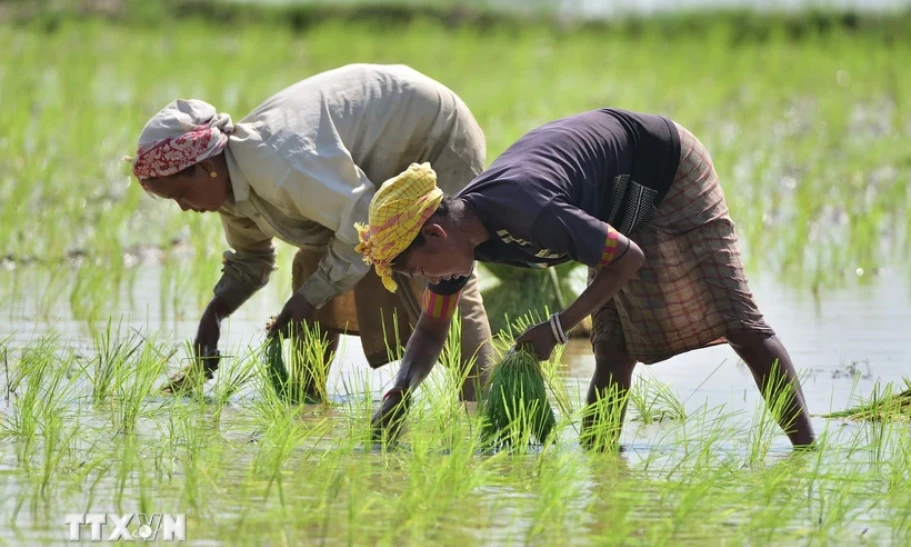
[[550, 197]]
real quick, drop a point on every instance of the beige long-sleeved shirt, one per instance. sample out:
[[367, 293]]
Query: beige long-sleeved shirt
[[305, 164]]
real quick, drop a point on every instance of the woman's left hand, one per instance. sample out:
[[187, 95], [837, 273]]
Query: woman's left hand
[[541, 338], [297, 310], [390, 418]]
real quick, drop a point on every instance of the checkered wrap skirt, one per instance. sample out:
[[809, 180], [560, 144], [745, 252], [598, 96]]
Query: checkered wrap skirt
[[692, 291]]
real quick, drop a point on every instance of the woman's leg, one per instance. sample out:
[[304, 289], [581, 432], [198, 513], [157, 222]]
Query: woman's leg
[[777, 379], [476, 343], [608, 393]]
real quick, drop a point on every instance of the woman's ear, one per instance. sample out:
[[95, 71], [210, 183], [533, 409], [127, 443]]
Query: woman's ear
[[208, 168], [433, 230]]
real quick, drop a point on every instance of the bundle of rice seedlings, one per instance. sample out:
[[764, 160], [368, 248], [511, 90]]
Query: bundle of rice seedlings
[[881, 407], [517, 409], [309, 365], [275, 367]]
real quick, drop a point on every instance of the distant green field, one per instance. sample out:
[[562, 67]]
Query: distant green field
[[808, 136]]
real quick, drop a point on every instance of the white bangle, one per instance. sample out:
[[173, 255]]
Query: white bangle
[[553, 329], [557, 329], [563, 334]]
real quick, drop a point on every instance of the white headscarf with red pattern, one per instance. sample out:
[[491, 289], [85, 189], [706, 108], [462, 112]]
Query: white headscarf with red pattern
[[182, 134]]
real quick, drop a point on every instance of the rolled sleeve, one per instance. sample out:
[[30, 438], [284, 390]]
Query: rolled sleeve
[[248, 266]]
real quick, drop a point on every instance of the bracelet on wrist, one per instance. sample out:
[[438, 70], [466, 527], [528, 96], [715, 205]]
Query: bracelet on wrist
[[556, 327]]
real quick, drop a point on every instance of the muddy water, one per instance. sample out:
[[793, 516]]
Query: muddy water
[[843, 341]]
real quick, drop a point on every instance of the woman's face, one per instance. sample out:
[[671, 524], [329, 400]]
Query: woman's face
[[440, 257], [194, 189]]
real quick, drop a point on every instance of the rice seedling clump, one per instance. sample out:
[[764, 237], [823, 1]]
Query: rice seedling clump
[[304, 380], [275, 366], [517, 409], [881, 407]]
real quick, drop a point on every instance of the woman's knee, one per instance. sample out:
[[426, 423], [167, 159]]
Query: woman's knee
[[747, 339], [611, 355], [613, 361]]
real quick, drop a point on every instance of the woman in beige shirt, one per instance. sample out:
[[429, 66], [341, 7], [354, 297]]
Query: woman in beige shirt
[[303, 167]]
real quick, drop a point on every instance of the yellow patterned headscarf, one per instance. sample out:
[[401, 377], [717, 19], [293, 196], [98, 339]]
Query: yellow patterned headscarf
[[398, 210]]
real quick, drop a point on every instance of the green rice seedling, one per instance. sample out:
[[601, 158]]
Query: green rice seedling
[[517, 409], [358, 410], [128, 459], [309, 364], [7, 380], [59, 438], [446, 412], [230, 381], [456, 371], [603, 420], [203, 368], [34, 387], [393, 352], [42, 432], [778, 395], [97, 287], [304, 381], [527, 379], [700, 434], [111, 355], [136, 379], [275, 366], [654, 401], [557, 384], [435, 481], [282, 435], [558, 488], [51, 292], [883, 405]]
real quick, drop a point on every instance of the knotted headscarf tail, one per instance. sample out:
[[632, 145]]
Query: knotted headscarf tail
[[182, 134], [398, 210]]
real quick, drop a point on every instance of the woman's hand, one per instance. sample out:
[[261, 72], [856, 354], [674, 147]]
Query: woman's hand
[[190, 376], [207, 334], [391, 415], [205, 352], [421, 354], [296, 311], [541, 338]]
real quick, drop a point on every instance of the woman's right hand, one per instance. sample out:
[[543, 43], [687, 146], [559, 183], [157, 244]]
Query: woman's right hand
[[205, 352], [207, 334], [390, 418]]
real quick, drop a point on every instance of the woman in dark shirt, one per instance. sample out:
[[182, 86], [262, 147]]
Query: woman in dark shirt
[[634, 197]]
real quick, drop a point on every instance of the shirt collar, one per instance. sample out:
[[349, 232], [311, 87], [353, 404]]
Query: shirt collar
[[239, 185]]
